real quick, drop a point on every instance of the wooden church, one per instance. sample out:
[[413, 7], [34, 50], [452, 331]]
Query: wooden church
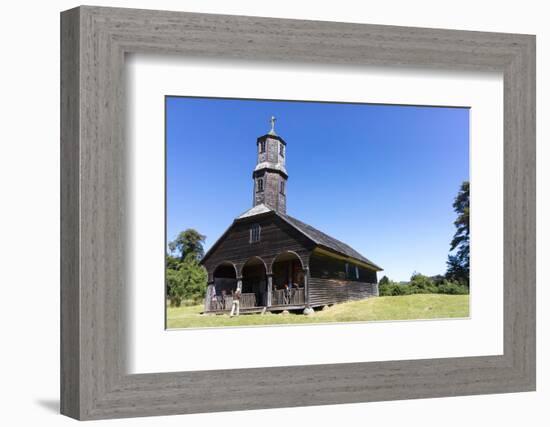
[[279, 262]]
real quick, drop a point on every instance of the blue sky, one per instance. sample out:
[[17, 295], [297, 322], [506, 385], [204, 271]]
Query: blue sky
[[381, 178]]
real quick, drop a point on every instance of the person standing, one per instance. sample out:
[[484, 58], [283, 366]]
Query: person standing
[[236, 302], [286, 294], [214, 305], [222, 301]]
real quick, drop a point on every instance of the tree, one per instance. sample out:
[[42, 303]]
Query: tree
[[172, 263], [438, 279], [384, 286], [194, 278], [188, 242], [187, 282], [186, 279], [421, 284], [384, 281], [458, 263], [174, 287]]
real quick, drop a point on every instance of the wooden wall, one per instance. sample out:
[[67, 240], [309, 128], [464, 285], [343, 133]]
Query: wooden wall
[[326, 267], [330, 282], [331, 291]]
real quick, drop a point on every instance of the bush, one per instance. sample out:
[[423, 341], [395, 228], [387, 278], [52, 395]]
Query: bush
[[384, 290], [173, 287], [393, 289], [384, 281], [453, 288], [397, 290], [187, 282], [420, 284]]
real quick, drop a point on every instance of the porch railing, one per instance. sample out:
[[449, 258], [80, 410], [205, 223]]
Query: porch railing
[[293, 296], [224, 303], [248, 300]]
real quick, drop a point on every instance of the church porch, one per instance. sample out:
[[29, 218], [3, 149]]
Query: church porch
[[294, 300], [275, 287]]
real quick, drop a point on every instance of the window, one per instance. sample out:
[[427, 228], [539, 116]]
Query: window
[[282, 150], [262, 146], [282, 189], [352, 271], [260, 185], [255, 230]]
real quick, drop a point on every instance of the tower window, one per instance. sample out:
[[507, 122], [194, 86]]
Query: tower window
[[260, 185], [282, 150], [262, 146], [255, 230], [282, 187]]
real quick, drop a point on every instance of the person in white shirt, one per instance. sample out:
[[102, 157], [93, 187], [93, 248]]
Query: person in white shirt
[[236, 303]]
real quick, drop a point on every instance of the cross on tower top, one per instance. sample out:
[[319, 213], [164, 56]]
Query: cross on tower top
[[272, 121]]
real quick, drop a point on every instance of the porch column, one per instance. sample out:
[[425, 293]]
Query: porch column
[[306, 285], [269, 289], [289, 273], [210, 289], [240, 284]]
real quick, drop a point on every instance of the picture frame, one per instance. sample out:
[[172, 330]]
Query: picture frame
[[94, 379]]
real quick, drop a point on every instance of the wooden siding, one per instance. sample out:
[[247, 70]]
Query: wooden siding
[[276, 237], [330, 291], [325, 267]]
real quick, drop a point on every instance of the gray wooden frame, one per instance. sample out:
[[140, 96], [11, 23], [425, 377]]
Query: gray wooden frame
[[94, 41]]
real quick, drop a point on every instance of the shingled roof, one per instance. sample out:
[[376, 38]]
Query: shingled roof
[[325, 240], [317, 236]]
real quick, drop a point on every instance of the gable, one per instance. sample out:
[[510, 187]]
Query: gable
[[275, 236]]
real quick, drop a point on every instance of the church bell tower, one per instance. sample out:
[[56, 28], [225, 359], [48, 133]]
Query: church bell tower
[[270, 173]]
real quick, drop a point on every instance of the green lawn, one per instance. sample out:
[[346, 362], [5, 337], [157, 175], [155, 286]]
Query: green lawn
[[427, 306]]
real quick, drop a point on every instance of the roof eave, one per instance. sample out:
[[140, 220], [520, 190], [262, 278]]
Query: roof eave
[[369, 265]]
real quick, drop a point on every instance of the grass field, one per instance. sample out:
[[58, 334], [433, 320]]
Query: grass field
[[408, 307]]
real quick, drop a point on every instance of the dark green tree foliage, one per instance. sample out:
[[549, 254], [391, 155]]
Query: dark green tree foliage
[[172, 263], [384, 281], [420, 284], [458, 263], [438, 279], [186, 279], [188, 242], [453, 288]]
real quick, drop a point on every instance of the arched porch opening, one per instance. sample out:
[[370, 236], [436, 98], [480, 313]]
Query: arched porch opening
[[223, 285], [254, 283], [288, 279]]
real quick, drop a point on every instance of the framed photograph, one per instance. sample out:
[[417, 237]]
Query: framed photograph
[[277, 213], [269, 262]]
